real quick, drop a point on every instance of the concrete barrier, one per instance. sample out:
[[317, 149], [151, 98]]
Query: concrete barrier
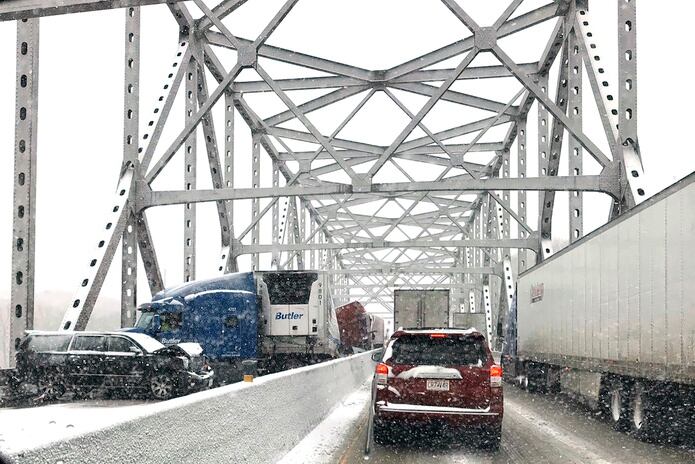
[[242, 423]]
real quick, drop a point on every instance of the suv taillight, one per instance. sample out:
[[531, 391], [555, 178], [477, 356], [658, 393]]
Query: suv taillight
[[496, 376], [382, 374]]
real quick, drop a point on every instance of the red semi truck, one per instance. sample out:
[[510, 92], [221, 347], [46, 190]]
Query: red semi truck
[[354, 325], [359, 330]]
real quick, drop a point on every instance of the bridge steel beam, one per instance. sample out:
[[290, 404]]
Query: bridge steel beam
[[575, 112], [131, 118], [433, 209], [190, 168], [21, 309], [595, 183], [23, 9], [479, 243]]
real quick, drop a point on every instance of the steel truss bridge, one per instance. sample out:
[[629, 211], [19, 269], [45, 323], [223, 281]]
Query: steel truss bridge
[[442, 206]]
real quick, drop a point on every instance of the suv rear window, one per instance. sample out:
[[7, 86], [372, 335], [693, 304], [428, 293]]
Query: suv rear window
[[449, 351], [48, 343]]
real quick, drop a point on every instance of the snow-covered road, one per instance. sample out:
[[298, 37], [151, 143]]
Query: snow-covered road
[[537, 429]]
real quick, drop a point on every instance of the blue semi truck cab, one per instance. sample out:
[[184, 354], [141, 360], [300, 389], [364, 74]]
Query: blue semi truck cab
[[282, 319]]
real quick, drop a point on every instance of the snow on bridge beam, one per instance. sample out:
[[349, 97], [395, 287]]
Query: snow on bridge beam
[[421, 270], [22, 9], [598, 183], [329, 82], [474, 243]]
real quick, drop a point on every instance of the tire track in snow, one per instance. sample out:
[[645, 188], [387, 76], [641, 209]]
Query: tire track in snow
[[581, 447]]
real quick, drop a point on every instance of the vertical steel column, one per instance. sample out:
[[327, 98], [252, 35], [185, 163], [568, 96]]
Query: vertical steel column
[[453, 298], [488, 314], [292, 230], [469, 263], [131, 117], [508, 283], [627, 70], [23, 217], [296, 236], [312, 253], [543, 150], [506, 174], [627, 83], [129, 269], [574, 101], [302, 232], [228, 176], [491, 231], [255, 203], [522, 257], [475, 278], [485, 230], [462, 261], [502, 214], [190, 158], [275, 262]]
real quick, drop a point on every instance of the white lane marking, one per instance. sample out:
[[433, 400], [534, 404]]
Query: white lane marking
[[582, 447]]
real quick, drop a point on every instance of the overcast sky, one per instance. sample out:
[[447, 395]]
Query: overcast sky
[[80, 101]]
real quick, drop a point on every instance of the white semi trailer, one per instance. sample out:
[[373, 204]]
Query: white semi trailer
[[611, 319]]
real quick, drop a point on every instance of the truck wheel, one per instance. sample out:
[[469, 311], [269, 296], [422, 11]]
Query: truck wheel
[[618, 405], [644, 414], [50, 385], [162, 387], [535, 379], [523, 382]]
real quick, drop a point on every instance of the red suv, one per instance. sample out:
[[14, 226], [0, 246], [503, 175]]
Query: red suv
[[443, 376]]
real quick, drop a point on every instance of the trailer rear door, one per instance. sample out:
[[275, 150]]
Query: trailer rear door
[[435, 308], [406, 308]]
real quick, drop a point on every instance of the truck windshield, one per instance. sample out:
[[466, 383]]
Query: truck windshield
[[145, 320], [450, 351]]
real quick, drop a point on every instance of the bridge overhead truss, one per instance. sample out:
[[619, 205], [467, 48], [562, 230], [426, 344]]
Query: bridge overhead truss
[[443, 207]]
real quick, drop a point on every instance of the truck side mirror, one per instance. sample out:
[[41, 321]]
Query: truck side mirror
[[377, 355]]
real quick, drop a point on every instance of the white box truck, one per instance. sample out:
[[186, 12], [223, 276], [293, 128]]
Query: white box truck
[[421, 308]]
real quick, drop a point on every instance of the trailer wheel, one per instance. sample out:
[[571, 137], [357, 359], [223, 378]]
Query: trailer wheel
[[523, 382], [535, 378], [618, 405], [644, 414]]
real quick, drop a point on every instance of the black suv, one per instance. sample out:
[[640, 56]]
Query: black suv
[[81, 361]]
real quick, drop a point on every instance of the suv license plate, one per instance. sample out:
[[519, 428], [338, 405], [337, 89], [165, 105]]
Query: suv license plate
[[438, 385]]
